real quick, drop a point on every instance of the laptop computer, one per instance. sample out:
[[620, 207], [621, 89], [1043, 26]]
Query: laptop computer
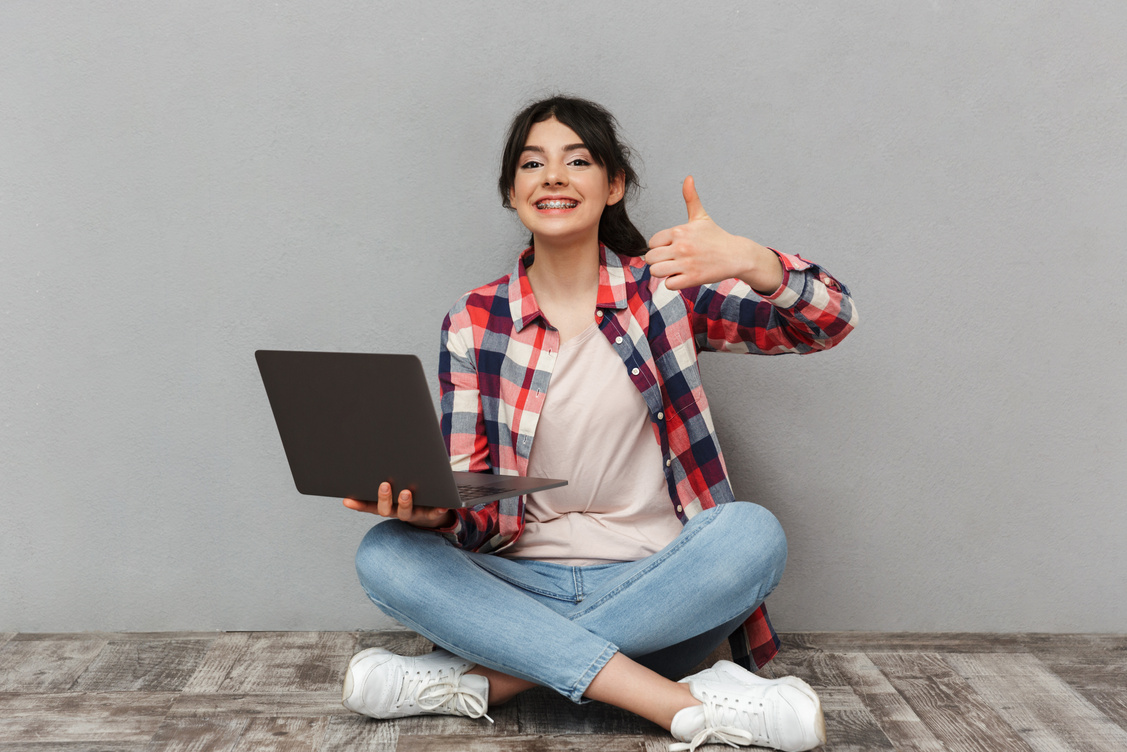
[[350, 421]]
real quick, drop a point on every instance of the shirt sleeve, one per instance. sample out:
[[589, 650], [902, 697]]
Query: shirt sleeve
[[810, 311], [463, 426]]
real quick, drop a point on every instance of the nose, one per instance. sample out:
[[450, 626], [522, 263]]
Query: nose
[[555, 174]]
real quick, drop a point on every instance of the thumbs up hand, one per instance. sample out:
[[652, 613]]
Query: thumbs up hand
[[700, 252]]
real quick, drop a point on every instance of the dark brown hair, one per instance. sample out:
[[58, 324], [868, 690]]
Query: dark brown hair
[[597, 129]]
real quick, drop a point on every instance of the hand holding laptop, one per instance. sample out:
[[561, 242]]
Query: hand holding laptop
[[405, 510]]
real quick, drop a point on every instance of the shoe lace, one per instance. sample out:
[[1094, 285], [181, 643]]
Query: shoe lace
[[441, 690], [727, 720]]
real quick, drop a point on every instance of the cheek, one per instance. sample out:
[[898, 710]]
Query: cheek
[[522, 188]]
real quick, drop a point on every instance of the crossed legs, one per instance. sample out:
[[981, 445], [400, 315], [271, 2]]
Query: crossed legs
[[586, 632]]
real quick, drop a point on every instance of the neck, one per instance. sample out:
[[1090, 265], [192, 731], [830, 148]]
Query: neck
[[565, 271]]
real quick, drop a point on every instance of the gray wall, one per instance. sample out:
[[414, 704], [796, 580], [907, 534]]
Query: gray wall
[[181, 185]]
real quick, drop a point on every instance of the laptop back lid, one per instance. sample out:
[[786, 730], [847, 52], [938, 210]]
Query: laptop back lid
[[349, 421]]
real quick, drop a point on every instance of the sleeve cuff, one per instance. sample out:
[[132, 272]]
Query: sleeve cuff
[[451, 531], [790, 290]]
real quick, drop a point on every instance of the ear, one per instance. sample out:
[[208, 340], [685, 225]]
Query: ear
[[617, 188]]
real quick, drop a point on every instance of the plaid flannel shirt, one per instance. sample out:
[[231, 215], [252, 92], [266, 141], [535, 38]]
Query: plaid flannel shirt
[[496, 361]]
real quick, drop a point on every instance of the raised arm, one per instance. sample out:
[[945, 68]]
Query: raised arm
[[745, 297]]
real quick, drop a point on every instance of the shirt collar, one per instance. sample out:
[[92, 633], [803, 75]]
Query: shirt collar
[[523, 305]]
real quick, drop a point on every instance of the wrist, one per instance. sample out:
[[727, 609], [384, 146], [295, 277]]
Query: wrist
[[445, 522], [763, 271]]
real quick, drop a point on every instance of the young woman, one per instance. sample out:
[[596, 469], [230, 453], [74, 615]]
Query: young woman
[[581, 364]]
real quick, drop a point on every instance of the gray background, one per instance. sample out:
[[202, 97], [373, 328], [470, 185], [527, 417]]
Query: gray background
[[183, 183]]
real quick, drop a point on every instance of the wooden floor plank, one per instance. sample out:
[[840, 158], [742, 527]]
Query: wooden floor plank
[[32, 636], [815, 666], [854, 731], [399, 642], [1045, 711], [73, 747], [132, 665], [1093, 665], [1112, 646], [949, 707], [281, 735], [287, 704], [1111, 702], [925, 642], [347, 733], [46, 663], [220, 658], [274, 662], [82, 716], [528, 743], [892, 714], [198, 735]]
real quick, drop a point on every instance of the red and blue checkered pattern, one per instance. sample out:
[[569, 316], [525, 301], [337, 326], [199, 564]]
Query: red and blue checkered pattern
[[498, 352]]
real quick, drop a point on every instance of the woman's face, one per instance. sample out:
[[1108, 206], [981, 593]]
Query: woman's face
[[559, 191]]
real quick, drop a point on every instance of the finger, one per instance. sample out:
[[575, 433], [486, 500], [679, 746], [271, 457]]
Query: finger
[[675, 282], [663, 268], [406, 506], [657, 255], [383, 500], [361, 506], [692, 200], [661, 239]]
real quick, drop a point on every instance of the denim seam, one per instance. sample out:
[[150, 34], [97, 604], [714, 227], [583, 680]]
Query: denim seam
[[682, 540], [576, 693], [523, 585]]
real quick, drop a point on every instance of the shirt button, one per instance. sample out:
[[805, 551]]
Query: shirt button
[[678, 507], [618, 340], [661, 416], [599, 314], [635, 371], [668, 463]]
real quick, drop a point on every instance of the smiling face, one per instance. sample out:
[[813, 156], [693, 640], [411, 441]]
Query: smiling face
[[560, 191]]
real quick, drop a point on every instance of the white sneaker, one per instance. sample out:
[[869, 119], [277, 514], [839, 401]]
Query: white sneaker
[[381, 684], [740, 709]]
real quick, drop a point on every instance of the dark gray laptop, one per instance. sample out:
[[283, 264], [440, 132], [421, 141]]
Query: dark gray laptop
[[350, 421]]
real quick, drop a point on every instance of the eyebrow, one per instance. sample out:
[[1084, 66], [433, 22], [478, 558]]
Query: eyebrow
[[568, 147]]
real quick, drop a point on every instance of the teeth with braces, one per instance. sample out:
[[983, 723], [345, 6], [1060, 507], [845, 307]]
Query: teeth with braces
[[557, 205]]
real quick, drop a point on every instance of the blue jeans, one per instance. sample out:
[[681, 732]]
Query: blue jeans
[[558, 625]]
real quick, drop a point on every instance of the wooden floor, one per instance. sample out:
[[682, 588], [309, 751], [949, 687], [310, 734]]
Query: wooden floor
[[208, 692]]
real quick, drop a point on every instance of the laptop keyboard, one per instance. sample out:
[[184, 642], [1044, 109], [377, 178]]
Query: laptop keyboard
[[473, 492]]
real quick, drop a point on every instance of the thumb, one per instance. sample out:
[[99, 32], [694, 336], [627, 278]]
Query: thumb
[[692, 200]]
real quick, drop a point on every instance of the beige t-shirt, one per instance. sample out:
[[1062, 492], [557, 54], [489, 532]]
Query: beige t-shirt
[[594, 429]]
